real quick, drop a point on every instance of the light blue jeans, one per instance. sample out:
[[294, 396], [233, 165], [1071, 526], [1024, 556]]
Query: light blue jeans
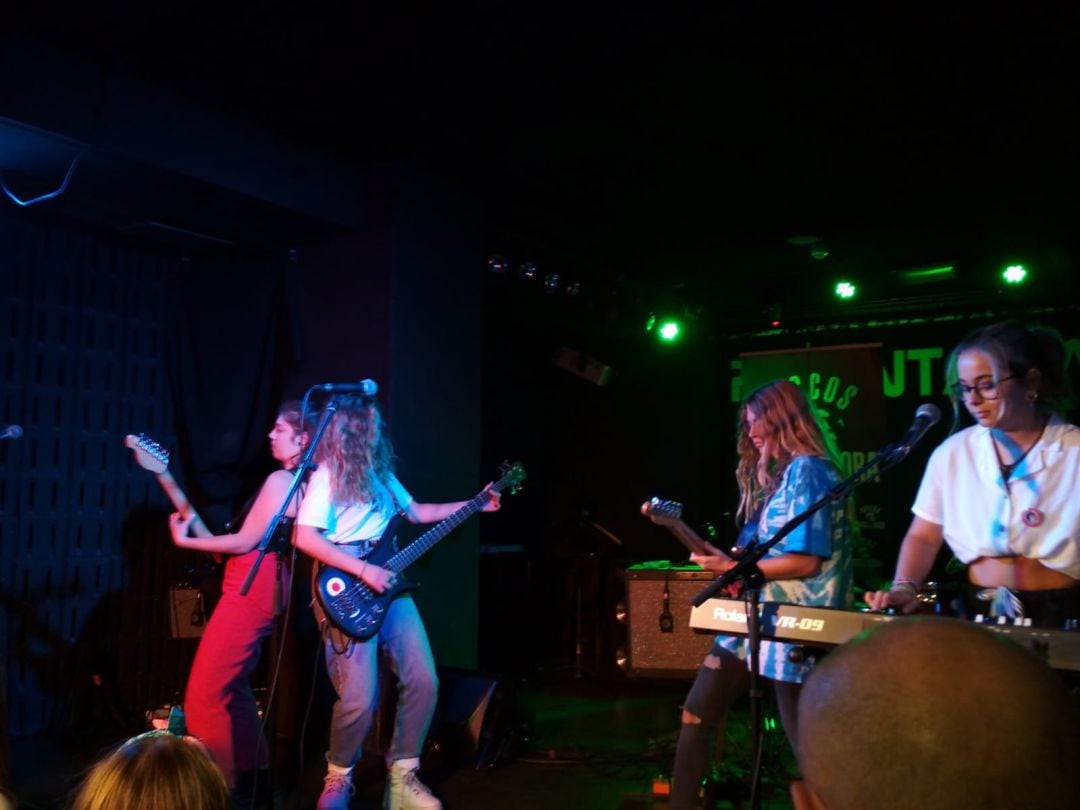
[[354, 671]]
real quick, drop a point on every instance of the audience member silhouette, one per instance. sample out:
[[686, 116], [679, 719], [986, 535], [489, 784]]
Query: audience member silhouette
[[155, 771], [935, 712]]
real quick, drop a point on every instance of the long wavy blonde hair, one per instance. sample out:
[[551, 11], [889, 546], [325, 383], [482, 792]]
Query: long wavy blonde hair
[[358, 455], [154, 771], [790, 429]]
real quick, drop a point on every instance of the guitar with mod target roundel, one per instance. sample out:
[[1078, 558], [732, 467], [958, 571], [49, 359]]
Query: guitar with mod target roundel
[[356, 609]]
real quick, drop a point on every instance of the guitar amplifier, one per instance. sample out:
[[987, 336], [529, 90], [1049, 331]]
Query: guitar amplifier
[[661, 643], [187, 616]]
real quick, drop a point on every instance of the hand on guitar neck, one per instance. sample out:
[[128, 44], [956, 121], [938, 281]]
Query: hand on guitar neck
[[154, 458], [669, 515]]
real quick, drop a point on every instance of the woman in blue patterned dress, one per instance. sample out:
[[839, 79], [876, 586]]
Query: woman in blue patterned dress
[[785, 465]]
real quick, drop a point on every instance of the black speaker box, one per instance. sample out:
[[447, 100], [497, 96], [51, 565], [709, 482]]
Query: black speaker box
[[462, 727], [660, 641], [470, 716], [187, 614]]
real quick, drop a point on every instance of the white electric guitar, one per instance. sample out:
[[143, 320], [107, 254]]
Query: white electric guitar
[[669, 515], [154, 458]]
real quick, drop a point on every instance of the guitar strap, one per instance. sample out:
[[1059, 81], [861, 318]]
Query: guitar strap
[[747, 538]]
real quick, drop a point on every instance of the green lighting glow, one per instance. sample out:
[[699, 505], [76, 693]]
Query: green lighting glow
[[650, 323], [1014, 274], [927, 274], [845, 290], [669, 331]]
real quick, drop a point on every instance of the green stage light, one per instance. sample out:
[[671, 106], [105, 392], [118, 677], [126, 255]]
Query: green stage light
[[669, 331], [1014, 274], [845, 290]]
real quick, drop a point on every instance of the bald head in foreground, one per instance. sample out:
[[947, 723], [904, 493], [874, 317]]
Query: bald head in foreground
[[936, 713]]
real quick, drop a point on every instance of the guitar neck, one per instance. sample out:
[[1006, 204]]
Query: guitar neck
[[687, 536], [182, 504], [412, 552]]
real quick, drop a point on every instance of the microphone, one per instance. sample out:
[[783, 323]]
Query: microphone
[[366, 388], [926, 416], [11, 432]]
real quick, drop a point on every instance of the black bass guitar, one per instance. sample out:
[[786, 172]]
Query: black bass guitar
[[357, 610]]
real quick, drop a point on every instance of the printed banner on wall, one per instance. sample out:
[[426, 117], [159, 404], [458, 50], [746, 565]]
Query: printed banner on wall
[[844, 385]]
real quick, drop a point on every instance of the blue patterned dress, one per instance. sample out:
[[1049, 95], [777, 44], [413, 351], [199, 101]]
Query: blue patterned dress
[[805, 480]]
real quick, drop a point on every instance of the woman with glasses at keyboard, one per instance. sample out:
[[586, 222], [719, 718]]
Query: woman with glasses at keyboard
[[1004, 494]]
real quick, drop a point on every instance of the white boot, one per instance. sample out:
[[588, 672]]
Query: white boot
[[405, 791]]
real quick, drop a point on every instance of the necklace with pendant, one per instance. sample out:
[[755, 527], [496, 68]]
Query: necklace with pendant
[[1031, 517]]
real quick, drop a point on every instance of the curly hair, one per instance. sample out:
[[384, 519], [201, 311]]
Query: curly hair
[[358, 455], [790, 429]]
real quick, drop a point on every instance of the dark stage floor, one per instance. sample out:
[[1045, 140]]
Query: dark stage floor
[[562, 743]]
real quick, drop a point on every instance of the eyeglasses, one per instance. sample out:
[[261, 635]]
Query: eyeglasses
[[987, 389]]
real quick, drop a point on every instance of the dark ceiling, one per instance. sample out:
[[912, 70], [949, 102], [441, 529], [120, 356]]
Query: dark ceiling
[[654, 144]]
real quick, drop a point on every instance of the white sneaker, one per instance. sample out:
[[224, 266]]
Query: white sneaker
[[336, 793], [405, 791]]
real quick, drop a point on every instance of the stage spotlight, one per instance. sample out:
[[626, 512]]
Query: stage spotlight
[[497, 263], [1014, 274], [667, 328], [573, 290], [669, 331], [528, 271], [845, 290], [551, 282]]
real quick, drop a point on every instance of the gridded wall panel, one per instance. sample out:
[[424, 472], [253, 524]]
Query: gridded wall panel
[[84, 547]]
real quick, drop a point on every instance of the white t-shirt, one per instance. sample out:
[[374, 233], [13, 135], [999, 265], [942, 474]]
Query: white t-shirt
[[356, 523], [1037, 515]]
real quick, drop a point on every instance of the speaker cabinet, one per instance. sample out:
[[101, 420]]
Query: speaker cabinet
[[661, 643], [463, 728]]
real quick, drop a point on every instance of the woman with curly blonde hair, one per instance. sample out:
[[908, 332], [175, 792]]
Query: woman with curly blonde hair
[[349, 503], [785, 465]]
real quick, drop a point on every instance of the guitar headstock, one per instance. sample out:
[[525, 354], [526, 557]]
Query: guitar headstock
[[511, 474], [149, 455], [658, 507]]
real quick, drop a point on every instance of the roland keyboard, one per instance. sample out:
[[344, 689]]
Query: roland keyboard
[[827, 627]]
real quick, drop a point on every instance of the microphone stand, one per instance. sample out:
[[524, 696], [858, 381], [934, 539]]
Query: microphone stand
[[746, 569], [270, 537], [298, 476]]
